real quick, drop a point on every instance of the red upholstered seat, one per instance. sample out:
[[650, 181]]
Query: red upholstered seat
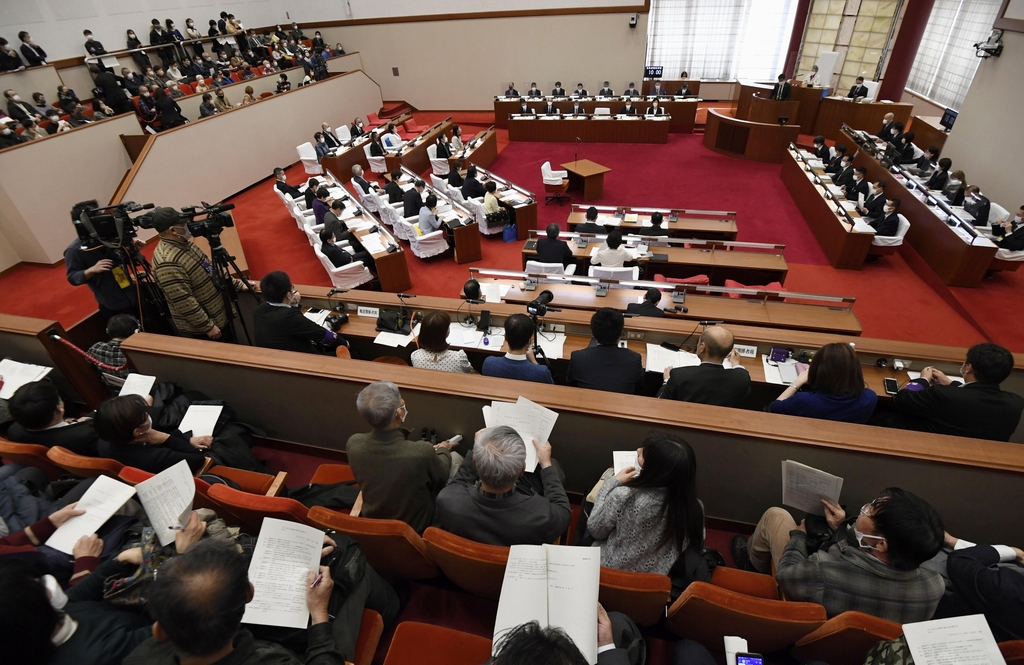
[[746, 582], [696, 279], [1013, 652], [82, 466], [370, 630], [373, 120], [844, 639], [29, 454], [390, 546], [250, 509], [477, 568], [332, 473], [185, 88], [640, 596], [707, 613], [413, 128], [417, 643], [733, 284]]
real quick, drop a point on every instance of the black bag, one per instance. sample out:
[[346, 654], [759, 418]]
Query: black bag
[[232, 447], [694, 567], [328, 495], [394, 321]]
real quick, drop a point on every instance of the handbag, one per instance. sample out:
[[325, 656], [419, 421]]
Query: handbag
[[131, 591], [693, 566], [510, 233], [394, 321]]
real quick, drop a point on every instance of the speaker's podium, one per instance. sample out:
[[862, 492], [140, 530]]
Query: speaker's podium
[[773, 112], [757, 141]]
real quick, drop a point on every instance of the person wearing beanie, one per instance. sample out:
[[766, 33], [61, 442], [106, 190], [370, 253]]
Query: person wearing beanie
[[183, 271]]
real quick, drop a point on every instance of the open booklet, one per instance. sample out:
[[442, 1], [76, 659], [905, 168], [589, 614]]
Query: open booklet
[[285, 553], [965, 640], [18, 374], [529, 420], [803, 487], [554, 585]]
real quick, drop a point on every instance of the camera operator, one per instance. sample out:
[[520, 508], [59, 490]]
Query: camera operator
[[184, 274], [103, 270]]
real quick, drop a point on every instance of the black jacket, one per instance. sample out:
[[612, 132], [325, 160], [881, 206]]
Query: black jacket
[[823, 153], [472, 189], [413, 201], [20, 110], [558, 92], [707, 383], [645, 308], [376, 149], [590, 227], [554, 251], [355, 130], [631, 92], [606, 367], [285, 188], [576, 110], [331, 140], [875, 207], [10, 61], [113, 95], [835, 165], [511, 92], [170, 112], [285, 328], [938, 180], [79, 438], [34, 55], [455, 178], [656, 111], [886, 226], [605, 92], [336, 255], [394, 191], [886, 133], [359, 180], [631, 110], [787, 90], [857, 91], [980, 587], [550, 109], [1014, 241], [154, 458], [979, 410], [656, 231], [980, 209], [444, 150], [844, 177]]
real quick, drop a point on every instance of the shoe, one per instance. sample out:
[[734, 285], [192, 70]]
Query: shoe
[[738, 549]]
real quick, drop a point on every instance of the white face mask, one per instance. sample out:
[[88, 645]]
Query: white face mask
[[131, 35], [404, 412], [16, 98], [6, 131]]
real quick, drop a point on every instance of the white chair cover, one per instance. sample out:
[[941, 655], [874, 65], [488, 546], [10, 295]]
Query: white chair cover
[[424, 246], [552, 177], [346, 277], [896, 240], [307, 154]]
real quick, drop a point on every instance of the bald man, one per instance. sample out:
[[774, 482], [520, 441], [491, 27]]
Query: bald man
[[888, 120], [710, 382]]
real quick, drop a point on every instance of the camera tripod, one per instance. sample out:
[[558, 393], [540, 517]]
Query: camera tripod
[[223, 262]]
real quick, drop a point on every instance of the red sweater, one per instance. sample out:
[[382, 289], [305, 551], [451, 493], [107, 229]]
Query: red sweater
[[29, 538]]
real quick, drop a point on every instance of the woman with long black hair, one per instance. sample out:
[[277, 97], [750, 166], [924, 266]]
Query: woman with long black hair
[[646, 516]]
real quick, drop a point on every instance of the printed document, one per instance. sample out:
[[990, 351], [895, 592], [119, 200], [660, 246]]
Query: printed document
[[284, 555], [200, 419], [963, 640], [531, 421], [167, 498], [137, 384], [554, 585], [803, 487], [103, 498], [658, 358], [622, 459], [18, 374]]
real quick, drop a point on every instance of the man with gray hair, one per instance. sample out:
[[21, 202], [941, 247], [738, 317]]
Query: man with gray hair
[[357, 177], [486, 503], [399, 479]]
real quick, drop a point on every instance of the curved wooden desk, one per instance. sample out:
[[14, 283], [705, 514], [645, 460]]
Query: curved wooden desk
[[769, 111], [758, 141], [833, 113]]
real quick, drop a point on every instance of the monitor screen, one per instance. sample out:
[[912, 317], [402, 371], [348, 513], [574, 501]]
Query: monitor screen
[[948, 118], [653, 72]]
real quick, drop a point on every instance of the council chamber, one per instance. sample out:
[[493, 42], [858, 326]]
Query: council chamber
[[731, 292]]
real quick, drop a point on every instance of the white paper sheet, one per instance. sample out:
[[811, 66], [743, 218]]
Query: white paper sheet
[[200, 419], [167, 498], [963, 640], [622, 459], [529, 420], [103, 498], [318, 318], [18, 374], [460, 335], [917, 375], [658, 358], [284, 555], [137, 384], [803, 487], [524, 590], [552, 344], [394, 340]]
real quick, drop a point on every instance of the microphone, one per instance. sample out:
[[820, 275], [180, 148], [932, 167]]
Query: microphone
[[406, 295], [709, 323], [682, 308], [475, 301], [334, 292]]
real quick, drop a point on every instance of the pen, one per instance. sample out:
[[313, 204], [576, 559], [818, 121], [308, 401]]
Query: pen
[[316, 582], [176, 527]]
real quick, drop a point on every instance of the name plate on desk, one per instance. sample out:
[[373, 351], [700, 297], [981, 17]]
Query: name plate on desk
[[372, 312]]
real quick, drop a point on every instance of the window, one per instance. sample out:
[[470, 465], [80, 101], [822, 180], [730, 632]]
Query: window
[[720, 39], [945, 63]]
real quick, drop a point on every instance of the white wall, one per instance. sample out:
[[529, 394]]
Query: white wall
[[57, 25], [989, 132]]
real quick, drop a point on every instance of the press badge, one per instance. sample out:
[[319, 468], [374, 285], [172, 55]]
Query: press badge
[[122, 279]]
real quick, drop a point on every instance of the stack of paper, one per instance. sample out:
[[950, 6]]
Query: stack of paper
[[608, 220], [658, 358], [372, 243], [631, 217], [460, 335], [494, 292], [551, 343], [531, 421], [347, 213], [18, 374], [773, 373], [200, 419], [284, 555], [804, 487], [137, 384], [103, 498]]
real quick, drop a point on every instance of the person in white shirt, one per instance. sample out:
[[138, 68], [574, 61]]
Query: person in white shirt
[[391, 139], [456, 138], [433, 352], [812, 78], [611, 254], [490, 200]]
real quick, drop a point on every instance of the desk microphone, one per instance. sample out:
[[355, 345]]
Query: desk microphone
[[406, 295], [475, 301], [334, 292], [682, 308], [709, 323]]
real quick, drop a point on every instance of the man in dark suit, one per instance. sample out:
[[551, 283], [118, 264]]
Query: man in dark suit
[[628, 108], [858, 185], [897, 133], [710, 382], [549, 108], [631, 91], [649, 307], [684, 90], [888, 120], [888, 224], [18, 108], [591, 225], [980, 586], [472, 188], [109, 91], [552, 249], [782, 90], [534, 91], [580, 91], [835, 164], [874, 202], [859, 90], [33, 53], [278, 323], [655, 109], [605, 366], [338, 256], [606, 91], [844, 178], [658, 90], [977, 205], [821, 150], [558, 90], [524, 108], [511, 92], [357, 177], [577, 108], [978, 409], [413, 200], [38, 413], [283, 186], [330, 138], [393, 189], [10, 61], [356, 128], [655, 229], [454, 175]]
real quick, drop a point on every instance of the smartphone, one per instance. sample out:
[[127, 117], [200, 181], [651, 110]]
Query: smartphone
[[892, 386], [749, 659], [314, 310]]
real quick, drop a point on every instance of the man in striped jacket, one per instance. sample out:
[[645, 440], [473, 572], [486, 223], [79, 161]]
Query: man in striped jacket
[[184, 274]]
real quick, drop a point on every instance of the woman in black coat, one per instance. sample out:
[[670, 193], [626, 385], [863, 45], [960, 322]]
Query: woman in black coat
[[168, 110]]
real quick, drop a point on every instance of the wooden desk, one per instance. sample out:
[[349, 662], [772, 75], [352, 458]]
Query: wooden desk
[[414, 154], [587, 177], [525, 212], [718, 264], [483, 154], [844, 247], [672, 85], [682, 112], [701, 307], [609, 130], [697, 225], [392, 269], [769, 111], [467, 242], [342, 161], [464, 230], [955, 261], [760, 142], [736, 448], [810, 100], [928, 132], [833, 113]]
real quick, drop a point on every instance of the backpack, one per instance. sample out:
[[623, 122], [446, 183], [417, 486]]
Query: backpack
[[692, 566]]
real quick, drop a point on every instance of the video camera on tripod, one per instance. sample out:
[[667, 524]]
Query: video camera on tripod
[[109, 226], [213, 219], [539, 305]]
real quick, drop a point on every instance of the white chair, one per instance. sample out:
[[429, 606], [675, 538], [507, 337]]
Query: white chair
[[885, 245], [456, 194], [602, 110], [391, 217], [343, 133], [997, 214], [440, 184], [872, 87], [438, 166], [346, 277], [425, 246], [550, 268], [300, 216], [307, 154], [615, 273], [364, 200], [555, 184], [377, 164]]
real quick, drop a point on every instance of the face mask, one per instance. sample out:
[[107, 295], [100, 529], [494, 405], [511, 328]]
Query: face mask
[[186, 236], [132, 35], [856, 178], [145, 94], [889, 210], [860, 539], [6, 131], [58, 599], [404, 414], [17, 98], [89, 38]]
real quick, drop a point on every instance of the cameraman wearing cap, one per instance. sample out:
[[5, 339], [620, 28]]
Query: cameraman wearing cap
[[184, 274], [103, 270]]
